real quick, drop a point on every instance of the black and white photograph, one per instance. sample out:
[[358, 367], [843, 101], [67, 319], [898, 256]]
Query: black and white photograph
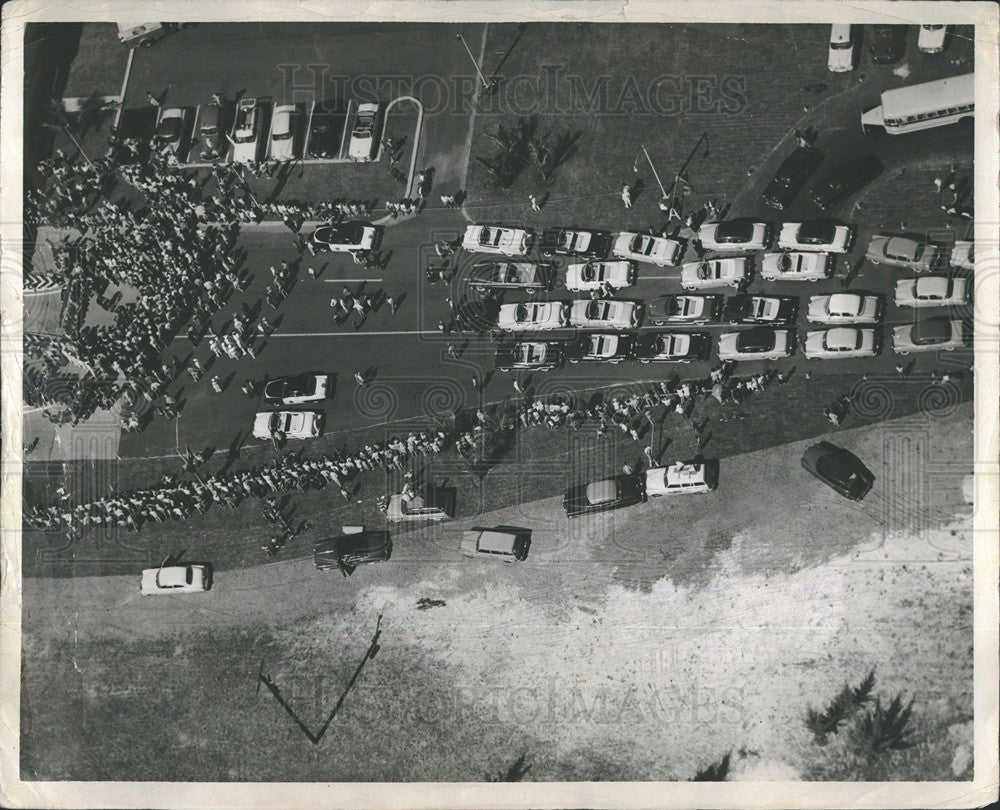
[[404, 400]]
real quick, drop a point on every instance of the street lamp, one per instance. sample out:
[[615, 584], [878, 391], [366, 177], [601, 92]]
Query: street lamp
[[663, 191], [488, 85]]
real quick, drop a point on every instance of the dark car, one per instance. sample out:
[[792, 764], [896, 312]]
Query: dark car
[[839, 469], [349, 551], [326, 130], [888, 44], [535, 355], [845, 180], [676, 347], [610, 493], [611, 347], [765, 309], [575, 242], [686, 309], [792, 175], [136, 124]]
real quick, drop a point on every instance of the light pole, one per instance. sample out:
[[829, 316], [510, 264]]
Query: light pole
[[663, 191], [488, 86]]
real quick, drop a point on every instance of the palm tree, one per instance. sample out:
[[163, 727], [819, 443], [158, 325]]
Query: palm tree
[[90, 114]]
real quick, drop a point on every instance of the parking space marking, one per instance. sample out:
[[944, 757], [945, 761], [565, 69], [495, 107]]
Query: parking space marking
[[355, 334], [335, 280]]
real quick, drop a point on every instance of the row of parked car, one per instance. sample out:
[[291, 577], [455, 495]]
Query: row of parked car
[[255, 129], [887, 46]]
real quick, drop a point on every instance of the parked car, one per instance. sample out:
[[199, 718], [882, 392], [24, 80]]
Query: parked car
[[888, 44], [527, 276], [845, 180], [930, 335], [901, 251], [326, 130], [298, 389], [841, 342], [574, 242], [839, 469], [842, 308], [682, 478], [363, 136], [820, 235], [686, 309], [168, 579], [759, 343], [610, 347], [605, 313], [931, 38], [673, 347], [963, 255], [594, 275], [530, 317], [535, 355], [211, 144], [772, 310], [735, 234], [356, 546], [791, 176], [435, 504], [284, 123], [931, 291], [714, 273], [346, 237], [502, 543], [797, 266], [643, 247], [171, 136], [246, 131], [293, 424], [135, 124], [609, 493], [496, 239], [841, 56]]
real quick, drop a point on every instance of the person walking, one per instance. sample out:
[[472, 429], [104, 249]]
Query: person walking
[[627, 195], [217, 384], [359, 378], [534, 202]]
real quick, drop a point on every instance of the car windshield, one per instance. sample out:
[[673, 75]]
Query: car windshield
[[641, 244], [589, 273], [521, 313], [708, 270], [597, 310], [762, 307]]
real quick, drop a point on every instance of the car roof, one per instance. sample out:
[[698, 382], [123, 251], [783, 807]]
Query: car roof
[[497, 540], [818, 231], [742, 228], [902, 246], [932, 330], [601, 491], [846, 302], [842, 337], [935, 286], [760, 338]]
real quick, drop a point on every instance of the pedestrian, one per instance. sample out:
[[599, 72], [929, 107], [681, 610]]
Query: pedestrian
[[475, 382], [248, 388], [392, 304], [152, 99], [901, 371], [217, 98], [534, 203], [359, 378], [627, 195], [517, 387], [451, 351], [938, 182], [217, 384]]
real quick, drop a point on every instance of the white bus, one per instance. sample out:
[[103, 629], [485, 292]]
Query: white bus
[[922, 106]]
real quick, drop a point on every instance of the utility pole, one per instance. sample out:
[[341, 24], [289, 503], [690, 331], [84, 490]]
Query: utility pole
[[488, 85]]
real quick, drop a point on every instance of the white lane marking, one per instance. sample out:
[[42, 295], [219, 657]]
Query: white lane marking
[[354, 334], [335, 280]]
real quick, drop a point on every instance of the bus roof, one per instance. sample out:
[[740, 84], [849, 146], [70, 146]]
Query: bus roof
[[929, 96]]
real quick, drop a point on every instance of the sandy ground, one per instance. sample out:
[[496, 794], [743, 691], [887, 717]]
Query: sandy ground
[[642, 644]]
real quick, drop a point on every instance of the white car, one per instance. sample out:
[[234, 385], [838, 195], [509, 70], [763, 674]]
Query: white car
[[931, 38], [643, 247], [931, 291], [496, 239], [796, 266], [714, 273], [735, 234], [298, 389], [169, 579], [681, 479], [759, 343], [293, 424], [841, 342], [530, 317], [363, 135], [841, 56], [246, 131], [822, 236], [284, 121], [604, 313], [901, 251], [594, 275], [842, 308], [171, 132], [963, 255], [931, 335], [347, 237]]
